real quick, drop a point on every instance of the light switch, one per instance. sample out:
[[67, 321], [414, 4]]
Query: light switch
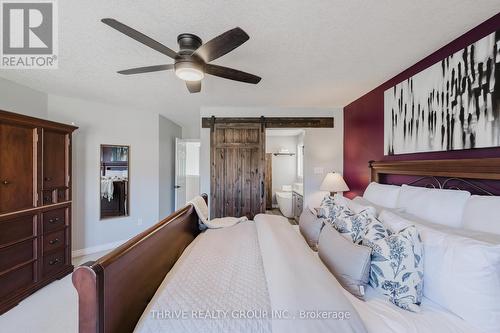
[[318, 170]]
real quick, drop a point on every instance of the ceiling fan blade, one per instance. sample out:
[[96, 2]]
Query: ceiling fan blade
[[222, 44], [140, 37], [193, 86], [147, 69], [231, 74]]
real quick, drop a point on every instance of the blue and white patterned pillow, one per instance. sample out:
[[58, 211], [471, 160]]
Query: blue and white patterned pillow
[[375, 230], [352, 225], [330, 209], [397, 267]]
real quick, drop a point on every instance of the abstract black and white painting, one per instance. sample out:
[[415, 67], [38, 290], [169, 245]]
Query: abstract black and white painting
[[454, 104]]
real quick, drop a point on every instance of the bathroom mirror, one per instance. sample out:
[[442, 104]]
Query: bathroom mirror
[[114, 181]]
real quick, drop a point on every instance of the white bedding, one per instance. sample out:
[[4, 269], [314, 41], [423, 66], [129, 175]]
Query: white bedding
[[381, 316], [251, 267], [299, 282], [212, 275], [267, 265]]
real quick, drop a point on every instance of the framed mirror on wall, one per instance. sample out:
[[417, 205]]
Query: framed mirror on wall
[[114, 181]]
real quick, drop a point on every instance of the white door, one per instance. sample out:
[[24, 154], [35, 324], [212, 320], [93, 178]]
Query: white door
[[180, 173], [187, 170]]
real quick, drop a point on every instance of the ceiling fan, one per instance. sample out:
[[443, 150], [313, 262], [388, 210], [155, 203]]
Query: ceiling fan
[[191, 63]]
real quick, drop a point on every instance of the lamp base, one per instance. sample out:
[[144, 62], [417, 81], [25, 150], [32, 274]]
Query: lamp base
[[332, 193]]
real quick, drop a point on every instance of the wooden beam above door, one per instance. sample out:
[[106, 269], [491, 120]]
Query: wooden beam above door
[[273, 122]]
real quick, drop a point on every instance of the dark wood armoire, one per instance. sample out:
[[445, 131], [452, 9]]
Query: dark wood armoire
[[35, 205]]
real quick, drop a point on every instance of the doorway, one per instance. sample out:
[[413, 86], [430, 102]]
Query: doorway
[[284, 172], [237, 161], [187, 170]]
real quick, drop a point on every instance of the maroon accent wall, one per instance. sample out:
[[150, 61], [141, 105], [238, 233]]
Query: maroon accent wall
[[364, 119]]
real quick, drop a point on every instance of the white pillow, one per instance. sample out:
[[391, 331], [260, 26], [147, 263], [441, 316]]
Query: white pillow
[[461, 274], [481, 214], [482, 236], [355, 206], [378, 209], [382, 195], [434, 205]]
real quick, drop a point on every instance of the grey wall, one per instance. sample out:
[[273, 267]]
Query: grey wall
[[168, 131], [21, 99], [323, 153], [323, 147], [106, 124]]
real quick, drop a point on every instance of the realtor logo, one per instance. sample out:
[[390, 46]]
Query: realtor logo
[[29, 34]]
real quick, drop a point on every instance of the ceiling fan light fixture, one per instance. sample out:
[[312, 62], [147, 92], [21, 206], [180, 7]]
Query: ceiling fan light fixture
[[193, 59], [188, 71]]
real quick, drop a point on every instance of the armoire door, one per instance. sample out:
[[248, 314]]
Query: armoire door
[[237, 169], [18, 162], [55, 166]]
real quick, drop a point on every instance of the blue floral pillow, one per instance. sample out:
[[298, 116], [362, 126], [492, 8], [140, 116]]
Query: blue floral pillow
[[352, 225], [397, 267], [374, 231], [330, 209]]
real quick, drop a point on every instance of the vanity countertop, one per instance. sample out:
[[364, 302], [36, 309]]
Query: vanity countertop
[[298, 188]]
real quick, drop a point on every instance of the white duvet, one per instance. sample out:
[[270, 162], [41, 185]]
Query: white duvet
[[252, 277], [228, 279]]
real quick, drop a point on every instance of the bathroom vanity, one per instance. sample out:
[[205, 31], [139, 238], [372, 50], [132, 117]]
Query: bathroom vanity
[[297, 200]]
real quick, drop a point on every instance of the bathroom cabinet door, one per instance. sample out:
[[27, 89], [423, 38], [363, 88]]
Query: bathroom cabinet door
[[297, 206], [237, 170], [269, 181]]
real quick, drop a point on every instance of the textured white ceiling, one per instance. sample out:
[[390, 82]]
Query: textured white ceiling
[[316, 53]]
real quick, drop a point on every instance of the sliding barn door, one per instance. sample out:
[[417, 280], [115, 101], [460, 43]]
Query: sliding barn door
[[237, 169]]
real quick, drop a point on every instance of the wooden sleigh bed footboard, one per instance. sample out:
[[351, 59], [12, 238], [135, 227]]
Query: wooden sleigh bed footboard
[[114, 291]]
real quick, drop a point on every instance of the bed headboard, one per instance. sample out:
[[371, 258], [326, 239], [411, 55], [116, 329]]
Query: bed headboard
[[479, 176]]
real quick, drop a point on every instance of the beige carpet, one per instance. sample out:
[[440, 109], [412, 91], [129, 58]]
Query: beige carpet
[[276, 211], [52, 309]]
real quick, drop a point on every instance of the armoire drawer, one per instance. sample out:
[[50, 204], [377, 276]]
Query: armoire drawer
[[15, 280], [12, 230], [53, 219], [54, 240], [53, 262], [17, 254]]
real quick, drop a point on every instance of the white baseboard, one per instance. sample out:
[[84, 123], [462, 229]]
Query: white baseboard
[[95, 249]]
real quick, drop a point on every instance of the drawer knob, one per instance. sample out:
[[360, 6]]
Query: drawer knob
[[54, 220], [54, 241], [55, 261], [5, 182], [48, 179]]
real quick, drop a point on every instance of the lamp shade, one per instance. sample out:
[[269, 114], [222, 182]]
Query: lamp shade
[[334, 182]]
